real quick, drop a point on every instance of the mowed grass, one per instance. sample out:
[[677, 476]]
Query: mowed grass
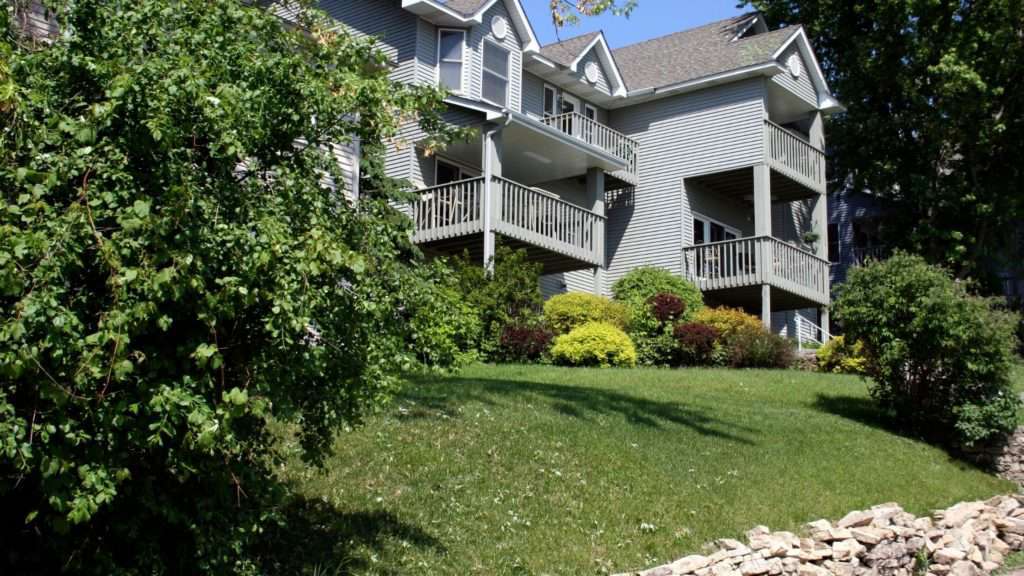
[[546, 470]]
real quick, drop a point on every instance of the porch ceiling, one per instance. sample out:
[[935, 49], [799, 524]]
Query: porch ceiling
[[533, 153], [749, 298], [739, 185], [473, 245]]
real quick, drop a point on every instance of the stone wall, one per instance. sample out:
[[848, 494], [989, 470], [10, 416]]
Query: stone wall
[[968, 539], [1005, 458]]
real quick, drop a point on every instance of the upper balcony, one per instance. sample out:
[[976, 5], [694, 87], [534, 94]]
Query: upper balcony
[[793, 157], [596, 134]]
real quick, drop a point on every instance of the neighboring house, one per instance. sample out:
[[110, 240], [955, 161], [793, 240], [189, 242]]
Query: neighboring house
[[700, 152], [855, 224]]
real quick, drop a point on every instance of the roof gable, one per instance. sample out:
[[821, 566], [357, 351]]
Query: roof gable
[[471, 12], [570, 53]]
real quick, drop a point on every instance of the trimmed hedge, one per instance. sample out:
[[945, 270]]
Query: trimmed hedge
[[594, 344], [565, 312]]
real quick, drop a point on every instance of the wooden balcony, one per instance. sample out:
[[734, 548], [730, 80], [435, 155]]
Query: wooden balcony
[[450, 218], [793, 157], [596, 134], [734, 265]]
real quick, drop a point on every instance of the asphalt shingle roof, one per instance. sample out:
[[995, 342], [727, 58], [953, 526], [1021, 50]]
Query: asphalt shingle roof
[[696, 53], [465, 7], [566, 51]]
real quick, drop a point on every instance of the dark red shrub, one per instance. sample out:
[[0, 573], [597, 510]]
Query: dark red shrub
[[524, 343], [667, 307], [696, 343]]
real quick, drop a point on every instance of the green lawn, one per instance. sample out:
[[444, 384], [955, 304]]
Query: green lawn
[[544, 470]]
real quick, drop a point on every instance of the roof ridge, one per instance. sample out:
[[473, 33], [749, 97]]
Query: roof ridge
[[737, 19], [577, 37]]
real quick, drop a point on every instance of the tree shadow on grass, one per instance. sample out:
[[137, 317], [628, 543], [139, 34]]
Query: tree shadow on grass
[[867, 412], [443, 399], [317, 538]]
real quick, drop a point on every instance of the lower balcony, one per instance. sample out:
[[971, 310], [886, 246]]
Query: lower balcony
[[732, 272], [451, 218]]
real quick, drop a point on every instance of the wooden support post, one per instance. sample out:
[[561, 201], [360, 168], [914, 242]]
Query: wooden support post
[[763, 228], [491, 190], [595, 203]]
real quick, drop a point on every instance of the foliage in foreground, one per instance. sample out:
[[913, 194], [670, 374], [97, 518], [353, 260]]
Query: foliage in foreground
[[509, 295], [940, 358], [594, 344], [175, 272], [839, 357]]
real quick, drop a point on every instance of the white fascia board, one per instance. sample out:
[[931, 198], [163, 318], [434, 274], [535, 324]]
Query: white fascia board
[[519, 19], [607, 60], [825, 99], [766, 69]]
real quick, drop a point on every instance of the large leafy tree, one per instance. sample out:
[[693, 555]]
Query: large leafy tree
[[935, 115], [179, 266]]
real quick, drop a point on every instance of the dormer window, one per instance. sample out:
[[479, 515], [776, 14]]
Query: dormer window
[[495, 74], [451, 50]]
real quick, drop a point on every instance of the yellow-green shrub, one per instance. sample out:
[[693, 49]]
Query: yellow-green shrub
[[839, 357], [594, 344], [728, 321], [564, 312]]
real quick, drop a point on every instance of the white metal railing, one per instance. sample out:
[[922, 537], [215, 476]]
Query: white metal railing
[[448, 210], [596, 134], [793, 156], [757, 260], [548, 221], [819, 335]]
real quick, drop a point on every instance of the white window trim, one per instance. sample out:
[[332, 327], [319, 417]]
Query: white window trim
[[508, 73], [462, 63], [587, 107], [707, 228], [554, 100], [465, 170]]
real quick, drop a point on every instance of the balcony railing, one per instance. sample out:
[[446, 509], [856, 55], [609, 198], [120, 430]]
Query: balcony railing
[[755, 261], [792, 156], [596, 134], [549, 222], [457, 209]]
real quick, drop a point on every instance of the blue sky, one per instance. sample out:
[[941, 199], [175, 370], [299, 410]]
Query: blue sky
[[650, 19]]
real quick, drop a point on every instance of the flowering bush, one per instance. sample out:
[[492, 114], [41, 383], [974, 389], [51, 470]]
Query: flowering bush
[[594, 344]]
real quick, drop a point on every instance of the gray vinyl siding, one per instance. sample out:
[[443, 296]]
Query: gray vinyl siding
[[34, 20], [475, 45], [533, 95], [784, 323], [348, 160], [426, 53], [417, 168], [790, 220], [395, 28], [708, 131], [563, 282], [802, 86], [602, 83], [712, 205]]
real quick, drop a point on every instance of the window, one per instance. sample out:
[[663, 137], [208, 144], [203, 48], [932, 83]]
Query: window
[[833, 243], [451, 47], [550, 100], [445, 173], [495, 74], [590, 112], [706, 230]]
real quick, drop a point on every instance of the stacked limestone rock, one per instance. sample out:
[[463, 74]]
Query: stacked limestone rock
[[969, 539]]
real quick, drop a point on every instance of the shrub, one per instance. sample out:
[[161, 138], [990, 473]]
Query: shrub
[[565, 312], [445, 331], [641, 284], [759, 348], [176, 279], [728, 321], [524, 343], [698, 343], [508, 295], [838, 357], [594, 344], [666, 308], [654, 340], [940, 359]]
